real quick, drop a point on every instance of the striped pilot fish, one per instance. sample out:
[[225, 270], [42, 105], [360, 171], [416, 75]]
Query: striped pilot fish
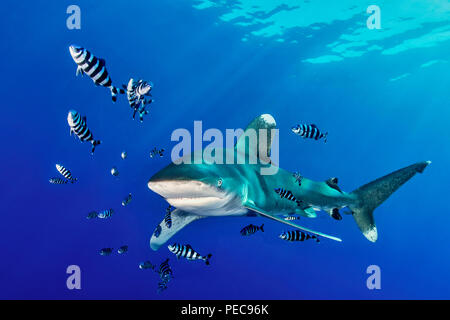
[[291, 218], [309, 131], [78, 125], [137, 93], [105, 214], [57, 181], [251, 229], [297, 235], [122, 250], [168, 217], [187, 252], [165, 271], [287, 195], [146, 265], [94, 67], [65, 173], [127, 200], [106, 251]]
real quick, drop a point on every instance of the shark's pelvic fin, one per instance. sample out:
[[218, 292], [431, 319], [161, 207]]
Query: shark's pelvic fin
[[264, 141], [371, 195], [180, 219], [289, 223]]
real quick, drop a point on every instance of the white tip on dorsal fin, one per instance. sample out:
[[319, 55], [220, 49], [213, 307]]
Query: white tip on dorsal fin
[[246, 143]]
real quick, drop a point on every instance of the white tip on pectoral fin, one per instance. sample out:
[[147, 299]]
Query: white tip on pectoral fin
[[180, 219], [371, 234]]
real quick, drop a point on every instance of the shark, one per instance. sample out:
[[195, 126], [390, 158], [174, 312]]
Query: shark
[[206, 189]]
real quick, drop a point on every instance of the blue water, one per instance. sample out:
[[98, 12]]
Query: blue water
[[203, 69]]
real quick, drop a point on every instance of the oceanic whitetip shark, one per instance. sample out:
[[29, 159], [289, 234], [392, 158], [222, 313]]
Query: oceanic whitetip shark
[[208, 189]]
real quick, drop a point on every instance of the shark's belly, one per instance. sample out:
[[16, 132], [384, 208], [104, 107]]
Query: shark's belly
[[210, 206]]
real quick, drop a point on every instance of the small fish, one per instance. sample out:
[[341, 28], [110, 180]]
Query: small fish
[[106, 251], [297, 235], [122, 250], [251, 229], [288, 195], [58, 181], [165, 271], [146, 265], [137, 91], [156, 152], [187, 252], [292, 218], [127, 200], [78, 126], [95, 68], [168, 217], [298, 178], [309, 131], [92, 215], [65, 173], [124, 155], [105, 214], [114, 171], [157, 231]]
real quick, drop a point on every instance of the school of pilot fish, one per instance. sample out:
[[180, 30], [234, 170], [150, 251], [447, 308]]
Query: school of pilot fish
[[139, 98]]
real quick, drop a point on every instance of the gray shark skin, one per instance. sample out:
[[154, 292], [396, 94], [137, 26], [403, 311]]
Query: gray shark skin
[[207, 189]]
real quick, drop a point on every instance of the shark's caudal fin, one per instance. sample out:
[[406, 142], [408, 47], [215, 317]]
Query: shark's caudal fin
[[371, 195], [180, 219]]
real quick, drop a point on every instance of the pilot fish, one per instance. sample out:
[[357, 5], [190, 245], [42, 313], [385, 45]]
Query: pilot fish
[[94, 67], [146, 265], [137, 91], [122, 249], [168, 217], [65, 173], [287, 195], [79, 127], [58, 181], [187, 252], [297, 235], [105, 213], [127, 200], [309, 131], [291, 218], [251, 229], [156, 152], [106, 251]]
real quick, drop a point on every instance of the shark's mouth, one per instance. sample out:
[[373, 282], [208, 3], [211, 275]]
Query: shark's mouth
[[197, 197]]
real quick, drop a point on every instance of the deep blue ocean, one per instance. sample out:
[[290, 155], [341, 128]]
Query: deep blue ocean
[[383, 96]]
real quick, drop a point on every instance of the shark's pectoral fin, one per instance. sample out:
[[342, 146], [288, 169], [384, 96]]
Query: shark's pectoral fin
[[289, 223], [180, 219]]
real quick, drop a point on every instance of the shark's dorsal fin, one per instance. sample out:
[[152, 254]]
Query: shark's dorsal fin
[[289, 223], [263, 143], [180, 219]]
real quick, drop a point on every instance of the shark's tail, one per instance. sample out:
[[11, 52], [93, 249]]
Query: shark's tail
[[371, 195]]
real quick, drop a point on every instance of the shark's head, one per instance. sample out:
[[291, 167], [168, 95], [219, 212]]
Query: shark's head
[[204, 189]]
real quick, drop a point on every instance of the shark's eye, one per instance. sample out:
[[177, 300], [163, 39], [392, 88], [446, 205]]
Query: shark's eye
[[219, 183]]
